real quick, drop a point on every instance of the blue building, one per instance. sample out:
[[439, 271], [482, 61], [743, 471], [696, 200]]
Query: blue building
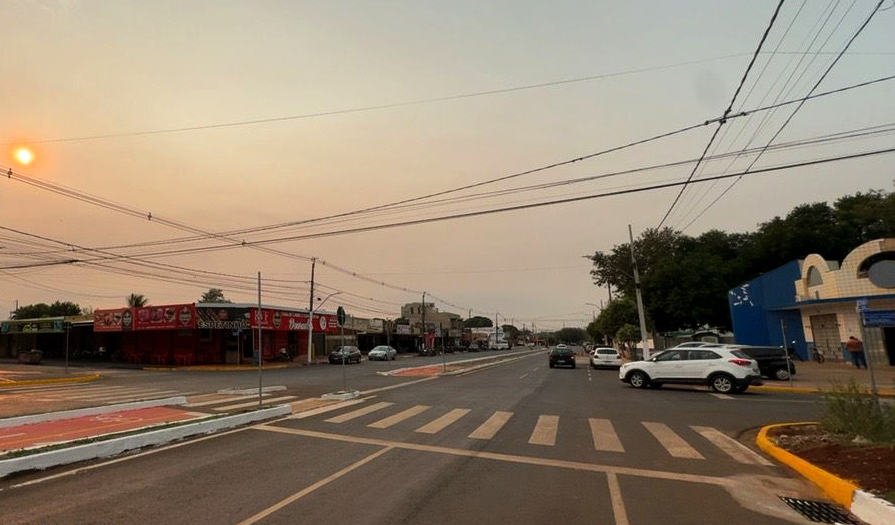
[[761, 309]]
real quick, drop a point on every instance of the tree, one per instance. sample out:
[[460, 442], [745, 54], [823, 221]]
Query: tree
[[136, 300], [617, 313], [572, 336], [214, 295], [40, 310], [593, 330], [628, 334], [478, 322], [510, 332]]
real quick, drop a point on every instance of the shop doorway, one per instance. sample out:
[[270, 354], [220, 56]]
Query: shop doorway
[[889, 341], [826, 335]]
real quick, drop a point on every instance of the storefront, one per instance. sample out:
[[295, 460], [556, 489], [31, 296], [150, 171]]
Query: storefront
[[47, 335]]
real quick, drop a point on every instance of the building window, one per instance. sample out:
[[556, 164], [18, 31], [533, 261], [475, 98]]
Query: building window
[[814, 277]]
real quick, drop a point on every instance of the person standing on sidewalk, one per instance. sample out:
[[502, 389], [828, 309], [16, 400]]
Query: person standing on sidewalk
[[856, 348]]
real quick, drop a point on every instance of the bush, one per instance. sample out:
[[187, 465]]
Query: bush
[[851, 411]]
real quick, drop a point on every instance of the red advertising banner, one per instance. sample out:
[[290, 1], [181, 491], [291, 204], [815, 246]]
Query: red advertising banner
[[167, 317], [114, 320], [279, 320]]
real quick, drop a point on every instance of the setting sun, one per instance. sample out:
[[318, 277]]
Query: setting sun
[[25, 156]]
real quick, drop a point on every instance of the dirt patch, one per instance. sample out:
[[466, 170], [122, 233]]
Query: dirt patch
[[868, 466]]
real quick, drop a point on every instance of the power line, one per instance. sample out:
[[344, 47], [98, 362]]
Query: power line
[[726, 113]]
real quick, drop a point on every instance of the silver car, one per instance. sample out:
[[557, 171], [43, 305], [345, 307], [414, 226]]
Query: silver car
[[382, 353]]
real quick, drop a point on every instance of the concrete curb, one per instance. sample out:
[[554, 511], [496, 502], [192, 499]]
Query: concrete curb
[[111, 447], [866, 506], [250, 391], [78, 412], [50, 381], [807, 390], [215, 368]]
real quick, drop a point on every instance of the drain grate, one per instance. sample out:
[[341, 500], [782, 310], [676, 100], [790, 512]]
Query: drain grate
[[819, 511]]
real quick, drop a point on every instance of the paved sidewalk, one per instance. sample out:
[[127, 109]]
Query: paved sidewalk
[[15, 374], [814, 376]]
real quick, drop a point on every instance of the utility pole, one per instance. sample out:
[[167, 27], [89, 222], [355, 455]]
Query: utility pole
[[311, 309], [609, 289], [423, 321], [496, 324], [643, 334], [260, 318]]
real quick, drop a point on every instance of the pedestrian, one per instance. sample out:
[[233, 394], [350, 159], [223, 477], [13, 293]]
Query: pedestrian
[[856, 348]]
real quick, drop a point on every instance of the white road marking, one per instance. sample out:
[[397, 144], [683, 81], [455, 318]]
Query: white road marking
[[304, 492], [399, 385], [439, 424], [604, 435], [399, 417], [123, 395], [732, 447], [674, 444], [253, 403], [490, 427], [523, 376], [618, 504], [544, 432], [359, 412], [225, 400], [327, 408], [723, 396]]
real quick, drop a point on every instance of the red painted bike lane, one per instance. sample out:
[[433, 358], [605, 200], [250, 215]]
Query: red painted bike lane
[[50, 432]]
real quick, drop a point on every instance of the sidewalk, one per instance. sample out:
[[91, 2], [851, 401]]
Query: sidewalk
[[15, 374], [811, 377]]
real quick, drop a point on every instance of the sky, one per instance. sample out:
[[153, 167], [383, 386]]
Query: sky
[[79, 68]]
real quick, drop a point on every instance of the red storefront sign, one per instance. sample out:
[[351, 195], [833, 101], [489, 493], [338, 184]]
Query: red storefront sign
[[168, 317], [279, 320], [114, 320]]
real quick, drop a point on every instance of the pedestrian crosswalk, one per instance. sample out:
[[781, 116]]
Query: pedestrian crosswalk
[[87, 393], [685, 442]]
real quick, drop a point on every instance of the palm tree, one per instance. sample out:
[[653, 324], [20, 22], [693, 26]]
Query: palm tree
[[136, 300]]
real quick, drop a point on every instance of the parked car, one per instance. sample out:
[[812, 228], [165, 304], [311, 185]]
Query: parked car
[[725, 370], [561, 355], [605, 357], [771, 360], [691, 344], [502, 345], [346, 354], [382, 353]]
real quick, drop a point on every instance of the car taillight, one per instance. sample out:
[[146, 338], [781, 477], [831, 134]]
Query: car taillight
[[741, 362]]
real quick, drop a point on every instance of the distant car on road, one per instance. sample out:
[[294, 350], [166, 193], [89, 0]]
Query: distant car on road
[[346, 354], [382, 353], [502, 345], [561, 355], [605, 357], [724, 370], [771, 360]]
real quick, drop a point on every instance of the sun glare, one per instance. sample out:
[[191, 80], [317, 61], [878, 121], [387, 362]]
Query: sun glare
[[25, 156]]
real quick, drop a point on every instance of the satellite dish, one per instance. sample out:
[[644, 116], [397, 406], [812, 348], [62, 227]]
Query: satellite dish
[[882, 274]]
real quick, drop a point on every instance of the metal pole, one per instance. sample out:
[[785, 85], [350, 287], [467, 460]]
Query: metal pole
[[423, 321], [342, 350], [867, 354], [496, 318], [388, 337], [311, 309], [260, 318], [443, 353], [643, 335], [786, 351], [67, 328]]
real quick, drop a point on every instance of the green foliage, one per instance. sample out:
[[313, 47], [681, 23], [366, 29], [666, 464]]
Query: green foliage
[[511, 333], [594, 332], [214, 295], [40, 310], [617, 313], [628, 334], [851, 411], [685, 279], [572, 336], [136, 300], [478, 322]]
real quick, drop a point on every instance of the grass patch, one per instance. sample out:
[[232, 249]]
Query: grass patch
[[851, 411]]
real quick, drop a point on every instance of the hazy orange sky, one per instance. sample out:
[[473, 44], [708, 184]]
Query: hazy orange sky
[[73, 68]]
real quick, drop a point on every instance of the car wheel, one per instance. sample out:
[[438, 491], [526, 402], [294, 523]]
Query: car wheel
[[781, 374], [638, 379], [573, 365], [722, 383]]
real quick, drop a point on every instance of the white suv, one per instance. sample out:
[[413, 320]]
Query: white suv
[[725, 370]]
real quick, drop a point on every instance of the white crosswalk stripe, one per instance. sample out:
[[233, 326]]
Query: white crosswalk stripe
[[439, 424], [673, 443], [604, 436], [732, 447], [545, 430], [399, 417], [490, 427], [359, 412], [252, 403], [229, 399]]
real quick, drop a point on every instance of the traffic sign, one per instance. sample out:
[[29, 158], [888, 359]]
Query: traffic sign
[[861, 304], [340, 316], [879, 317]]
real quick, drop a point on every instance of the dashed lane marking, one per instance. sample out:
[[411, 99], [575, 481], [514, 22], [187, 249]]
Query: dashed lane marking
[[723, 396], [674, 444], [490, 427], [439, 424]]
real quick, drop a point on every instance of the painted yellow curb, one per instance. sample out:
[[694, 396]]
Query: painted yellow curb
[[838, 489], [800, 390], [51, 381], [215, 368]]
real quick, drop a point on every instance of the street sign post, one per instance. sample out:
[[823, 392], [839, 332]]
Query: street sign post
[[862, 311], [340, 316]]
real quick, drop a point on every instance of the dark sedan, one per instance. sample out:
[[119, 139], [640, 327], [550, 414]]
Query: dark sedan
[[562, 355], [345, 354]]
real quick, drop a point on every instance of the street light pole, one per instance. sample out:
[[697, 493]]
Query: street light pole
[[643, 334], [311, 308]]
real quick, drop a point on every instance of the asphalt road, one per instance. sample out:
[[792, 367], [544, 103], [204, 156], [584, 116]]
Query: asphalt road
[[515, 443]]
